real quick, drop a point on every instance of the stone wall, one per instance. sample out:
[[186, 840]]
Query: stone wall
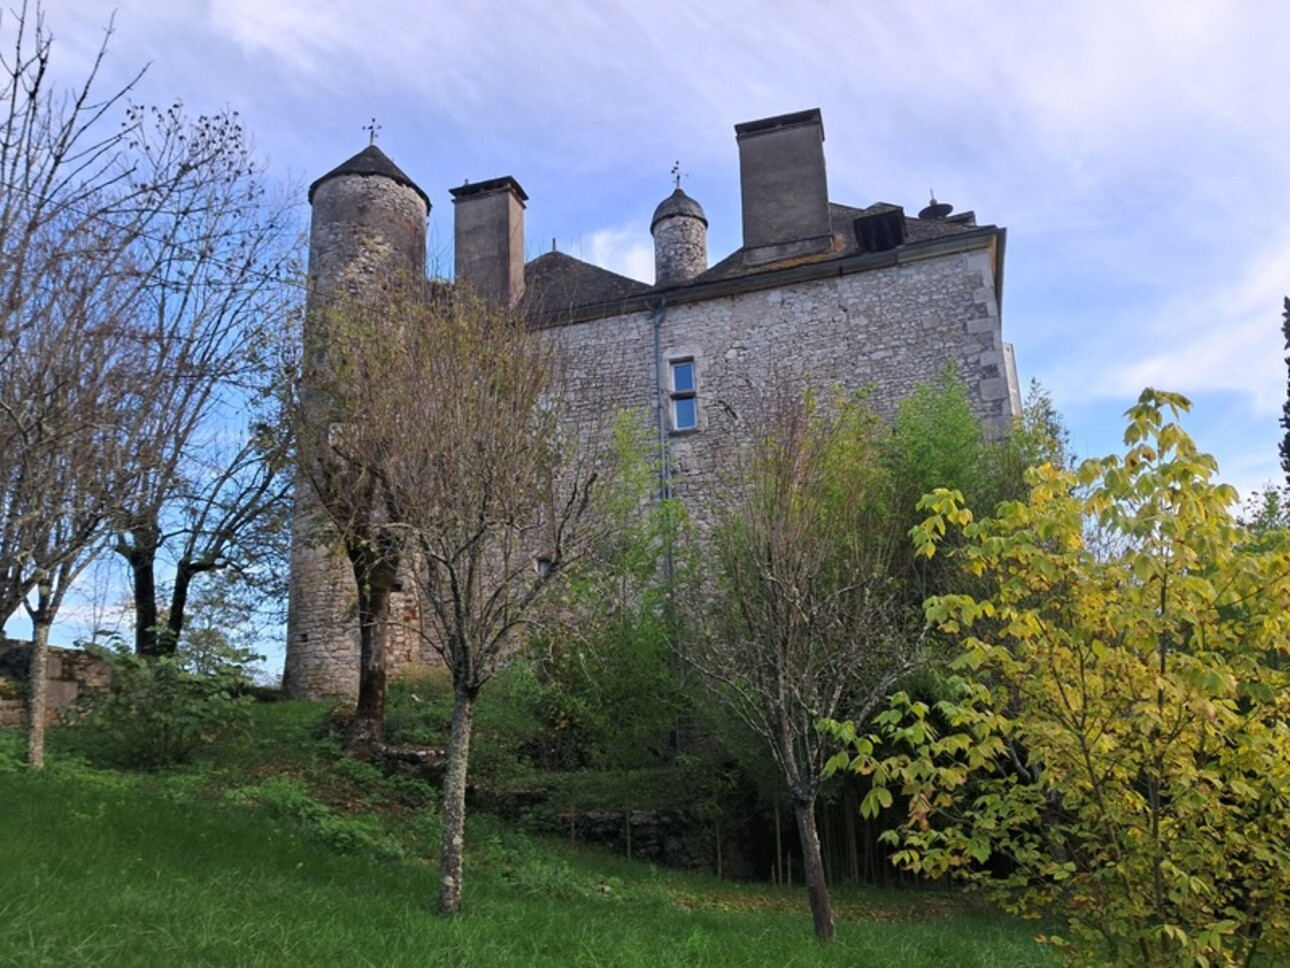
[[322, 656], [886, 329], [69, 673]]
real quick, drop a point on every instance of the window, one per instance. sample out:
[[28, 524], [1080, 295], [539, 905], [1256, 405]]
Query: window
[[682, 387]]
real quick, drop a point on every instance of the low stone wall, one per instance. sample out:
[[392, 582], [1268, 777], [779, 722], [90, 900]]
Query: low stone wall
[[69, 673]]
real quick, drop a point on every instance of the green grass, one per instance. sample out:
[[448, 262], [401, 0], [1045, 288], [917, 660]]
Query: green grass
[[232, 863]]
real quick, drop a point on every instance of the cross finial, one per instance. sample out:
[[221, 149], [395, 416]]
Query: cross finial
[[677, 174], [372, 129]]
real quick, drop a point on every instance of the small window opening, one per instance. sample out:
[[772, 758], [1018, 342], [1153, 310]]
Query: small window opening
[[682, 390]]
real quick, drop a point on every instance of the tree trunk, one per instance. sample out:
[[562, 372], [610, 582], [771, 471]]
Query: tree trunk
[[374, 574], [779, 847], [369, 715], [817, 889], [185, 572], [454, 801], [37, 681], [143, 581]]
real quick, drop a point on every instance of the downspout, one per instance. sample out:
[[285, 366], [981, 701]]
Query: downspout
[[660, 406], [665, 488]]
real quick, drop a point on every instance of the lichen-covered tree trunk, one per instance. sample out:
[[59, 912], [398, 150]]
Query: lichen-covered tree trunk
[[817, 888], [454, 801], [37, 692]]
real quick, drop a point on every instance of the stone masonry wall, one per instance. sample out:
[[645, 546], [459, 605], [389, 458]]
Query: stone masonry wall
[[322, 656], [69, 673], [680, 249], [887, 329]]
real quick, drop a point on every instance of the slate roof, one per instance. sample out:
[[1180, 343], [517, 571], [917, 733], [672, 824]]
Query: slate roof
[[370, 161], [678, 203], [555, 282], [558, 284]]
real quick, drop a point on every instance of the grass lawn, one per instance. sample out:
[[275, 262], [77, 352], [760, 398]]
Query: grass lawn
[[240, 862]]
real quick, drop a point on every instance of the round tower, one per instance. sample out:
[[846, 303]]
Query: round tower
[[368, 219], [680, 231], [368, 224]]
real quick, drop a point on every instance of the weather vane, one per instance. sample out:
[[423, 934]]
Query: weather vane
[[372, 129], [677, 174]]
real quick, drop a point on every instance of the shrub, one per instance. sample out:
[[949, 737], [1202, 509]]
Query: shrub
[[159, 712]]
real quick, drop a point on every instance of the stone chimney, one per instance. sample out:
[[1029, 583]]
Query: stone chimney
[[783, 186], [488, 234]]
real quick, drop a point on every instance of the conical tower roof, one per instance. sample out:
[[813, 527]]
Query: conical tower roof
[[370, 161], [678, 203]]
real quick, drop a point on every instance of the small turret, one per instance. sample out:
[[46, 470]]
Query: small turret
[[680, 231]]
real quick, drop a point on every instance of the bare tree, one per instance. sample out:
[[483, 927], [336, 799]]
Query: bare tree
[[213, 319], [104, 226], [345, 446], [59, 407], [804, 620], [68, 220], [452, 460]]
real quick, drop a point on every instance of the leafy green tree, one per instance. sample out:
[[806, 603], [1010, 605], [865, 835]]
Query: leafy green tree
[[1285, 407], [805, 619], [611, 682], [937, 440], [1119, 732]]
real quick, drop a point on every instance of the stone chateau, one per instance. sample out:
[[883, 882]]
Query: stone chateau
[[820, 293]]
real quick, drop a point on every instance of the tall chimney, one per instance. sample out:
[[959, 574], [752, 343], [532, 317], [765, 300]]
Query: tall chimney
[[784, 190], [488, 234]]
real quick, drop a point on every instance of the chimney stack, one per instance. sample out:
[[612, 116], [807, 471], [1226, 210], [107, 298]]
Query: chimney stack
[[488, 234], [783, 186]]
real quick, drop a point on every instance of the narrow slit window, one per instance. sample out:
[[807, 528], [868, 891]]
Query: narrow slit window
[[685, 403]]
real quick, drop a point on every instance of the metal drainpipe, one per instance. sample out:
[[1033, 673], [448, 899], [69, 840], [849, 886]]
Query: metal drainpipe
[[660, 405], [665, 478], [664, 458]]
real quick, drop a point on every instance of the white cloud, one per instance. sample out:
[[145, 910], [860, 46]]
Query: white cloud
[[305, 36], [1216, 335], [621, 250]]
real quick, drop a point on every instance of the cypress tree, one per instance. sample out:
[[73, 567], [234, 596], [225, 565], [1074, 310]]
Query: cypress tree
[[1285, 408]]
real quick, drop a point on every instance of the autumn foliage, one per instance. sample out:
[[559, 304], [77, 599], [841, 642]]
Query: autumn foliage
[[1115, 751]]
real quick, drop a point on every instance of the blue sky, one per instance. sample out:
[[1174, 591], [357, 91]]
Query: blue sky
[[1137, 153]]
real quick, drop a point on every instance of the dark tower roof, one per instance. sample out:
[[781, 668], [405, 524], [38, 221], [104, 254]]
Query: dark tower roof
[[370, 161], [678, 203]]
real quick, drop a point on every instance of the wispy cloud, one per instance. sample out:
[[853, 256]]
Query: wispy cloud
[[1226, 340], [621, 250], [1136, 152], [307, 38]]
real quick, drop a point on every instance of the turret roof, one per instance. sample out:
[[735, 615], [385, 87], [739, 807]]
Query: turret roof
[[370, 161], [678, 203]]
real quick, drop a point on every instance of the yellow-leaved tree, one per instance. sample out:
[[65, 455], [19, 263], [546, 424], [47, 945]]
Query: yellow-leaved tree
[[1115, 754]]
